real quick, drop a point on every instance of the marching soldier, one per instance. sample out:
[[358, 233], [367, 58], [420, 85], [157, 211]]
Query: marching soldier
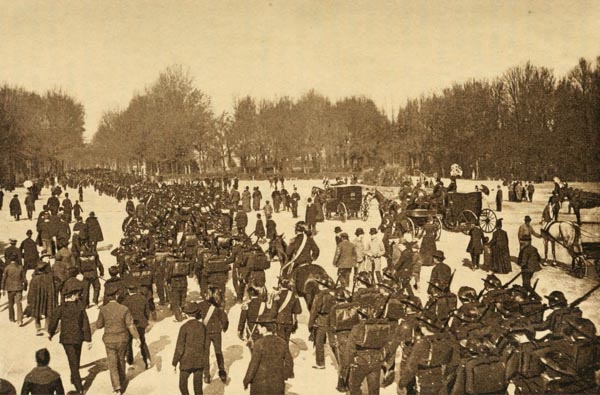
[[114, 285], [342, 317], [216, 321], [441, 273], [250, 311], [89, 266], [142, 274], [140, 312], [285, 309], [178, 270], [318, 320]]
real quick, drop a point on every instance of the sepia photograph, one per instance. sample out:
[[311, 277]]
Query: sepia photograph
[[278, 197]]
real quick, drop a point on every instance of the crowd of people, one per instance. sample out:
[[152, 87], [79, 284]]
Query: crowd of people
[[456, 341]]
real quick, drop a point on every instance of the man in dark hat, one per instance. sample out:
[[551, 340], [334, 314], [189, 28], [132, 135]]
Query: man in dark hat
[[42, 379], [15, 207], [190, 350], [337, 232], [140, 312], [42, 295], [441, 273], [530, 262], [94, 231], [359, 247], [294, 199], [499, 198], [318, 320], [216, 322], [74, 329], [114, 285], [241, 221], [344, 259], [29, 205], [405, 266], [28, 249], [90, 266], [271, 364]]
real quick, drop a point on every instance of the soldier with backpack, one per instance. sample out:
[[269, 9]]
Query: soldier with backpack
[[366, 344], [343, 315], [318, 320], [285, 309], [178, 269], [143, 275], [250, 311]]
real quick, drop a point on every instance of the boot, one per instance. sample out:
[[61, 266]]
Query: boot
[[223, 375], [341, 385]]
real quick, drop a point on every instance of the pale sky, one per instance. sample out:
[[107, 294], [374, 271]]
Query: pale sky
[[102, 52]]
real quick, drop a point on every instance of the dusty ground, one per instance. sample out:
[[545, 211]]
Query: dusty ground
[[17, 345]]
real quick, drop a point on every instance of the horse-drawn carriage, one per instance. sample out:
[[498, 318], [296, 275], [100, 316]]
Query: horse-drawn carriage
[[343, 202], [459, 210]]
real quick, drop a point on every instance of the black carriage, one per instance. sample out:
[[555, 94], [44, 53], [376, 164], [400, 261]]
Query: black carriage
[[343, 202], [417, 218], [460, 210], [589, 256]]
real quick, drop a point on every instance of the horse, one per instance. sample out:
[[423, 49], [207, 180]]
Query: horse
[[385, 204], [304, 277], [566, 234]]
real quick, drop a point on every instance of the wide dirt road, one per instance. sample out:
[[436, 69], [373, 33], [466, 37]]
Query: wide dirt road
[[17, 345]]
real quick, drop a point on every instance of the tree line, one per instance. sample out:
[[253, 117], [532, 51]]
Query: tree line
[[526, 123], [38, 133]]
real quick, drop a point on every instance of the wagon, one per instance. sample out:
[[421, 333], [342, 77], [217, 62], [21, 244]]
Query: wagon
[[417, 218], [459, 210], [590, 250], [343, 202]]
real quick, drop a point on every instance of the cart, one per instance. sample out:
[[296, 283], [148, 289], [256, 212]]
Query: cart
[[417, 218], [460, 210], [343, 202], [590, 250]]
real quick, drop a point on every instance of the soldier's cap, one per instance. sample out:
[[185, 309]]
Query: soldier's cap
[[72, 287], [337, 229], [364, 278], [113, 270], [439, 255], [429, 322], [191, 308], [389, 272], [359, 231], [583, 327], [466, 293], [559, 362], [326, 282], [556, 297], [12, 241], [491, 279], [372, 231]]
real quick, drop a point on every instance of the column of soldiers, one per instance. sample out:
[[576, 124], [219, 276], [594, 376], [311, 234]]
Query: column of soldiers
[[464, 343]]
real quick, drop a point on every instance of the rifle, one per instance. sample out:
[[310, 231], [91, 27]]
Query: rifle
[[503, 286], [571, 305]]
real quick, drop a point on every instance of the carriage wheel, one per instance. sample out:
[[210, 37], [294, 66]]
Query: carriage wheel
[[437, 222], [580, 269], [467, 217], [364, 210], [487, 220], [450, 221], [342, 212], [412, 229]]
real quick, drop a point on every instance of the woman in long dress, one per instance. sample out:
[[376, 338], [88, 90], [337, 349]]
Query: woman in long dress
[[500, 251], [428, 245]]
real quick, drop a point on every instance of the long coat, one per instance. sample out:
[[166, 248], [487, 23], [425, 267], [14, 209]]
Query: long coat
[[41, 298], [94, 229], [345, 255], [246, 201], [311, 214], [191, 346], [500, 252], [74, 323], [15, 206], [259, 229], [428, 245], [476, 241], [256, 196], [270, 366]]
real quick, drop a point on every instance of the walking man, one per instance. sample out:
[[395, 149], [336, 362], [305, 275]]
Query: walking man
[[190, 350], [118, 325], [14, 283]]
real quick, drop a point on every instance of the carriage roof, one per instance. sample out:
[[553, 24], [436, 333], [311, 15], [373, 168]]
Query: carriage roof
[[466, 201]]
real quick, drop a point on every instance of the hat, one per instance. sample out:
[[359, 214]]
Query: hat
[[92, 214], [467, 294], [75, 287], [359, 231], [389, 273], [42, 265], [113, 270], [439, 255], [191, 308], [556, 298], [364, 278], [344, 236], [492, 280], [326, 282], [372, 231], [29, 232], [337, 229], [12, 241], [527, 218]]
